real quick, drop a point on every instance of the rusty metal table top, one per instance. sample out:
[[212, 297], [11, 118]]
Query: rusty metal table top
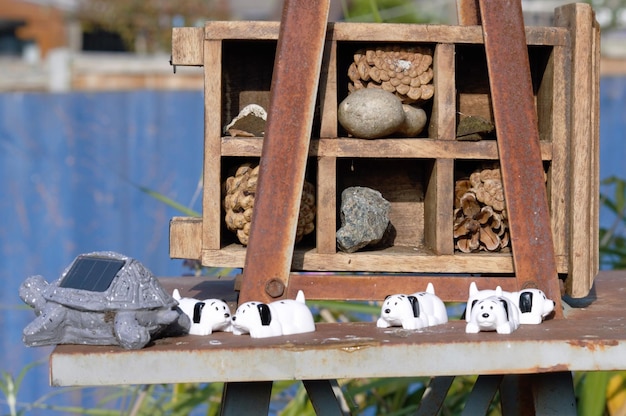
[[592, 337]]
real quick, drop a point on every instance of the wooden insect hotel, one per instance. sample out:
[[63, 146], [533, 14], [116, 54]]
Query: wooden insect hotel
[[447, 205]]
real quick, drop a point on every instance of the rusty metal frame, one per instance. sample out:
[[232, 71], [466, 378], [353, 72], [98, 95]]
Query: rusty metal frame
[[295, 81], [518, 145]]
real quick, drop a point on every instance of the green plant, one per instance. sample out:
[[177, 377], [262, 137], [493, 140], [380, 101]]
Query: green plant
[[613, 238], [10, 387]]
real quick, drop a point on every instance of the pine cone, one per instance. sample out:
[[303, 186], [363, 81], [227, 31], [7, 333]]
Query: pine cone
[[239, 191], [480, 221], [407, 72]]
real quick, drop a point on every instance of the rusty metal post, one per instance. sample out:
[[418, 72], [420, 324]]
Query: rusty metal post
[[295, 80], [468, 12], [518, 146]]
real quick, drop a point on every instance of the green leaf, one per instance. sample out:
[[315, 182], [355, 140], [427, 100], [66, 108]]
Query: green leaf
[[168, 201], [592, 393]]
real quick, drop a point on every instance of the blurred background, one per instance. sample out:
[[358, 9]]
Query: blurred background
[[93, 124]]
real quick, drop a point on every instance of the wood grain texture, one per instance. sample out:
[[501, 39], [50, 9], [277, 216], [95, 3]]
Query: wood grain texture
[[583, 108], [187, 46], [552, 106], [212, 195], [442, 124], [186, 238], [381, 32], [326, 223]]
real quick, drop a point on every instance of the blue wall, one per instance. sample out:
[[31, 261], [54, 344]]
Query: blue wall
[[70, 165], [612, 132]]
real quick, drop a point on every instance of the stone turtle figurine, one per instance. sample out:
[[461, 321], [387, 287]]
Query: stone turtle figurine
[[102, 298]]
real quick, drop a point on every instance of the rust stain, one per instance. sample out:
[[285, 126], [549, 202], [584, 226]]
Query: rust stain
[[593, 345], [552, 369], [345, 344]]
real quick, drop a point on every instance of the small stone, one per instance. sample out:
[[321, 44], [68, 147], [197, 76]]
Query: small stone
[[414, 122], [250, 122], [371, 113], [473, 128], [364, 218]]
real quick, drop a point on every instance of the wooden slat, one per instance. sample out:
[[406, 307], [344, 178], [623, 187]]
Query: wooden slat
[[188, 46], [328, 91], [326, 215], [583, 106], [381, 32], [595, 162], [186, 238], [394, 259], [438, 208], [384, 148], [437, 202], [442, 124], [552, 103], [211, 195]]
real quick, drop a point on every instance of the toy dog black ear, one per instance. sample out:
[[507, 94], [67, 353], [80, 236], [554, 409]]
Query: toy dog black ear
[[264, 313], [526, 302], [505, 306], [197, 312], [415, 306]]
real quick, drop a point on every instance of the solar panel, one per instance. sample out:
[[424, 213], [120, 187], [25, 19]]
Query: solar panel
[[93, 274]]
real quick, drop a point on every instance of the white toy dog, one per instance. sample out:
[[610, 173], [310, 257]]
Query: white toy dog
[[206, 316], [415, 311], [283, 317], [532, 304], [493, 313]]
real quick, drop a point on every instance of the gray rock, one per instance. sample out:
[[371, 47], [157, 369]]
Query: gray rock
[[364, 218], [371, 113], [474, 128]]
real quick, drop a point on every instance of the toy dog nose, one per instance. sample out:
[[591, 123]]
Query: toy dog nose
[[234, 318], [387, 310], [485, 315], [226, 315]]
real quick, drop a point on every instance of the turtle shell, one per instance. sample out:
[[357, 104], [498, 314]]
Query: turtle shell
[[108, 281]]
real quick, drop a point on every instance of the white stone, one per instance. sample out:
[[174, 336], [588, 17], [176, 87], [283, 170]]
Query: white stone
[[371, 113]]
